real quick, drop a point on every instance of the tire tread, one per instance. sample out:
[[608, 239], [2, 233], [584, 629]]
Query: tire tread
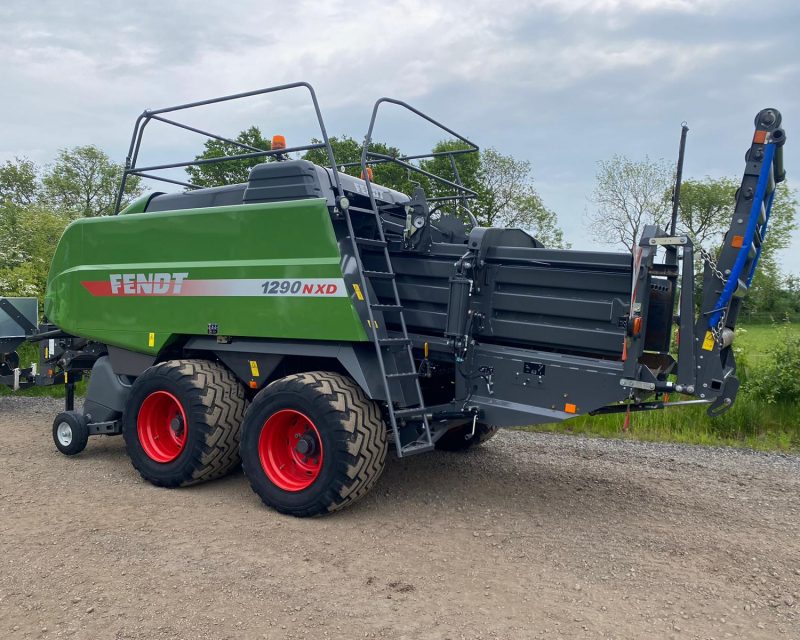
[[216, 394], [362, 432]]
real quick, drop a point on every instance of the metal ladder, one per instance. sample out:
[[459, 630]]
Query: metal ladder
[[385, 345]]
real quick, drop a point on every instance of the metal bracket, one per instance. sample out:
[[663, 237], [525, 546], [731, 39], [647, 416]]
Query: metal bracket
[[669, 240], [111, 428], [637, 384]]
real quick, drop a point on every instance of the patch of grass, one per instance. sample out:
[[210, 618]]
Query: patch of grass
[[756, 340], [750, 423], [54, 391]]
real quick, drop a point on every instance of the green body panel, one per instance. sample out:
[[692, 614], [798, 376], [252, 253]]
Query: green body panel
[[137, 206], [241, 243]]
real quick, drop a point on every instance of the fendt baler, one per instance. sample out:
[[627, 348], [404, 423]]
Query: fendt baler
[[306, 320]]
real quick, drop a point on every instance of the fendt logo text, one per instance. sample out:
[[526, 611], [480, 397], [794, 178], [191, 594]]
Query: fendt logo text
[[179, 284], [146, 284]]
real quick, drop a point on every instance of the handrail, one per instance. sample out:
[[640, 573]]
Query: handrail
[[462, 193], [155, 114], [368, 157]]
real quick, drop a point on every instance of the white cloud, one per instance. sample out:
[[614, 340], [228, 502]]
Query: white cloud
[[618, 74], [623, 7]]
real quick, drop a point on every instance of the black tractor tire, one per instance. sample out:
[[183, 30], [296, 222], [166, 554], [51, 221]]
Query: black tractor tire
[[456, 440], [70, 432], [207, 404], [344, 440]]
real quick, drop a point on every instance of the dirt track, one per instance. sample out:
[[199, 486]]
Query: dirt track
[[534, 536]]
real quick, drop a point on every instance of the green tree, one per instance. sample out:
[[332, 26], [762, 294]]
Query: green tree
[[28, 239], [507, 198], [782, 221], [231, 171], [628, 195], [19, 188], [19, 182], [347, 150], [468, 166], [83, 182], [705, 209]]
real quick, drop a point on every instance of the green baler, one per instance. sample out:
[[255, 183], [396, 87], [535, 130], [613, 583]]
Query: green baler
[[305, 321]]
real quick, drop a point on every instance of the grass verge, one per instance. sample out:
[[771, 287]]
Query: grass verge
[[749, 423]]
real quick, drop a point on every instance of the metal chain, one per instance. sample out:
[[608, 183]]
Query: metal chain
[[709, 260], [717, 331]]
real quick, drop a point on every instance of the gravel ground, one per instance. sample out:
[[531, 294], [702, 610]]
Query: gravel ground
[[532, 536]]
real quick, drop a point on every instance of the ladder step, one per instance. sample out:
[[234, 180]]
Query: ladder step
[[413, 411], [379, 275], [410, 374], [386, 307], [741, 289], [360, 209], [369, 242], [391, 342], [416, 447]]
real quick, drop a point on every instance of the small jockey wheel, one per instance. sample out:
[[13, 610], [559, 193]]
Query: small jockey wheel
[[70, 432]]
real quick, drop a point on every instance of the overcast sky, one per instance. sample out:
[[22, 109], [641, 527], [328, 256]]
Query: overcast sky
[[562, 83]]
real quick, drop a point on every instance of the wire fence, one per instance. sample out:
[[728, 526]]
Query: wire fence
[[767, 317]]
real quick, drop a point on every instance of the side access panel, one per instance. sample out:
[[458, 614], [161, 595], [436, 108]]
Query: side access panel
[[514, 387], [19, 318]]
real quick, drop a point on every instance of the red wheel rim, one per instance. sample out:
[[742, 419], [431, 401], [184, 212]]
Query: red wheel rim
[[290, 450], [162, 426]]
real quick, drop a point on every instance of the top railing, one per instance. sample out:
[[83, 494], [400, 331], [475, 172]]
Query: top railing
[[131, 168], [461, 194]]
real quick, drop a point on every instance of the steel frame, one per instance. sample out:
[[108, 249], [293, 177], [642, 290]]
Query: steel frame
[[461, 193], [131, 168]]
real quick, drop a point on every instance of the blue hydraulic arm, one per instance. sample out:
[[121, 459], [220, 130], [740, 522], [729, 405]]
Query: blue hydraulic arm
[[728, 276], [742, 258]]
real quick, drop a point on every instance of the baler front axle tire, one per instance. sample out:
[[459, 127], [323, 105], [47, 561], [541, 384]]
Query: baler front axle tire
[[183, 421], [70, 432], [312, 443]]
